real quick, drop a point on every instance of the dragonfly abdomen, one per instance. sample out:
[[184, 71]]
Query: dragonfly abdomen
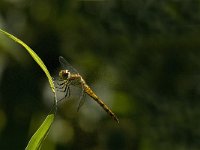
[[89, 91]]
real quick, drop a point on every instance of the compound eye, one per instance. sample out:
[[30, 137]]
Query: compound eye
[[65, 74]]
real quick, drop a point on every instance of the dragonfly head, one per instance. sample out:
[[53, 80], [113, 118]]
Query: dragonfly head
[[64, 74]]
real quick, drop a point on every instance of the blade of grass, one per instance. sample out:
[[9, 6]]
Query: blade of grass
[[39, 136], [35, 57]]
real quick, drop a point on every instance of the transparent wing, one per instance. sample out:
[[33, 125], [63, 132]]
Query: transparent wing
[[81, 100], [67, 65]]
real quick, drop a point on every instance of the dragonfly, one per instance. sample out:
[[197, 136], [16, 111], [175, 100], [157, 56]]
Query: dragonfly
[[70, 76]]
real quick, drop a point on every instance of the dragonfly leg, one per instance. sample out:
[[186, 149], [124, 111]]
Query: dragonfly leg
[[67, 90], [62, 86], [60, 83]]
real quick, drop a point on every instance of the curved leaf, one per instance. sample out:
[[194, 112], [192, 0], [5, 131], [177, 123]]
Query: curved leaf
[[39, 136], [35, 57], [41, 133]]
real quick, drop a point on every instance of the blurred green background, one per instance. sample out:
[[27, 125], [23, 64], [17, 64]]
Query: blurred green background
[[142, 57]]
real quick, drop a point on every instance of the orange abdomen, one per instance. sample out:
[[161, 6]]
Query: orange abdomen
[[89, 91]]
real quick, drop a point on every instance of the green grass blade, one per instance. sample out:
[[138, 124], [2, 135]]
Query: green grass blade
[[39, 136], [34, 55]]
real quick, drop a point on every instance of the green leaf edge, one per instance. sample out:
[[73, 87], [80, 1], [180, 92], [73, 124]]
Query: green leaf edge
[[39, 136], [35, 57]]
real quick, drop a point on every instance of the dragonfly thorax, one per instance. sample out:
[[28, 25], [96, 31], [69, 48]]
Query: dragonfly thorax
[[64, 74]]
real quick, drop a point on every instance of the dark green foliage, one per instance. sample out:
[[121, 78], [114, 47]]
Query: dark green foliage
[[143, 55]]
